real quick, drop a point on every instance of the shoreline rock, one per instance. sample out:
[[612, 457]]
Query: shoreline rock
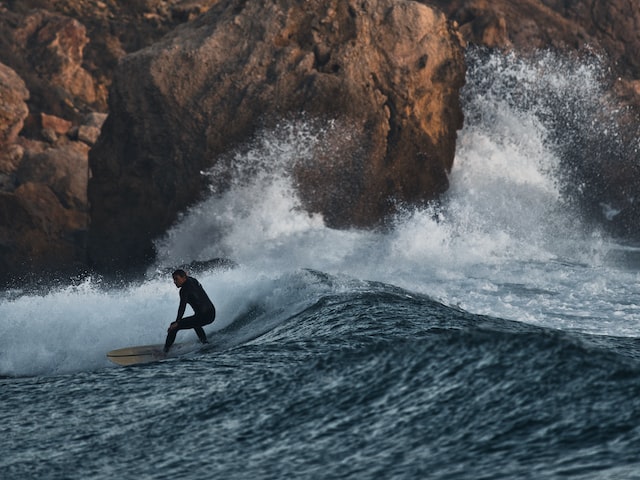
[[58, 58], [56, 63], [390, 69]]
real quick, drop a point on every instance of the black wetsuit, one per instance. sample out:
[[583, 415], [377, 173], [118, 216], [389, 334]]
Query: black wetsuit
[[191, 292]]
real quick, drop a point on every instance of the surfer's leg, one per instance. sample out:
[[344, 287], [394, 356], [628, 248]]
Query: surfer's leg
[[171, 337], [192, 322], [201, 335], [204, 319], [183, 324], [197, 322]]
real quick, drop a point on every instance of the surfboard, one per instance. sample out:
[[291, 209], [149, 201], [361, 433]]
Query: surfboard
[[148, 353]]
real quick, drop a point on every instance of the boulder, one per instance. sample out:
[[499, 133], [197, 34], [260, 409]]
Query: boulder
[[37, 233], [54, 46], [43, 208], [89, 131], [389, 69], [13, 109], [87, 134], [64, 169], [94, 119], [58, 125], [524, 25], [56, 62]]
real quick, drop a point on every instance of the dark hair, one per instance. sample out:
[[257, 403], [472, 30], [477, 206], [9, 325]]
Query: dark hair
[[180, 273]]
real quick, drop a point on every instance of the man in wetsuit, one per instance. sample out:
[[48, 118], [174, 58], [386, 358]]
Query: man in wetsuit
[[191, 292]]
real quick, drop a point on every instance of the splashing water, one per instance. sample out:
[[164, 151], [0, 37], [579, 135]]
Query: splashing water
[[505, 240]]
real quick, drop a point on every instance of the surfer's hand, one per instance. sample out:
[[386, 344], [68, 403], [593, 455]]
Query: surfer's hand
[[173, 326]]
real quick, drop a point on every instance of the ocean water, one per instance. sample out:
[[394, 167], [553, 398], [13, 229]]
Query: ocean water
[[493, 336]]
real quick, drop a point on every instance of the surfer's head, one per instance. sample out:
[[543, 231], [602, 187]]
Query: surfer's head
[[179, 277]]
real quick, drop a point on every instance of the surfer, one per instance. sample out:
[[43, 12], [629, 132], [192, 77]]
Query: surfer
[[192, 293]]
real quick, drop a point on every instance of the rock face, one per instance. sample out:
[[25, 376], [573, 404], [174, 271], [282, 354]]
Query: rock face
[[43, 181], [55, 46], [43, 207], [383, 67], [46, 49], [389, 69], [56, 63], [13, 109], [523, 25], [610, 26], [66, 50], [614, 23]]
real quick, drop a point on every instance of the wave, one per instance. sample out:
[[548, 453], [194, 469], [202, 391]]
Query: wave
[[435, 388], [70, 329], [506, 241]]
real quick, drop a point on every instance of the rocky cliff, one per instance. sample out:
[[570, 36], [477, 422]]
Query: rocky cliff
[[391, 70], [56, 64]]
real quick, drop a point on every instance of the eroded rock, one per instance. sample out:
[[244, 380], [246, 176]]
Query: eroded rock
[[13, 109], [390, 69]]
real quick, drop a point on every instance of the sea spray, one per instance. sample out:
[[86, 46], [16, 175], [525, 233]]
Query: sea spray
[[507, 232], [253, 207], [508, 184], [594, 136]]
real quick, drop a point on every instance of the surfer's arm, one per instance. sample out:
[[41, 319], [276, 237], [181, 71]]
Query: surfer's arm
[[182, 307]]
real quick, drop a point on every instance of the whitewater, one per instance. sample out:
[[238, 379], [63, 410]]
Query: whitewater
[[493, 335]]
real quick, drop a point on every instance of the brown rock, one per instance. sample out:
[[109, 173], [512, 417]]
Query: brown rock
[[43, 209], [58, 125], [524, 25], [39, 232], [609, 26], [43, 217], [13, 109], [64, 169], [390, 70], [10, 158], [94, 119], [88, 135], [55, 45], [613, 23]]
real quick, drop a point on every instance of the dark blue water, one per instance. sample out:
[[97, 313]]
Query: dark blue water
[[378, 383], [494, 337]]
